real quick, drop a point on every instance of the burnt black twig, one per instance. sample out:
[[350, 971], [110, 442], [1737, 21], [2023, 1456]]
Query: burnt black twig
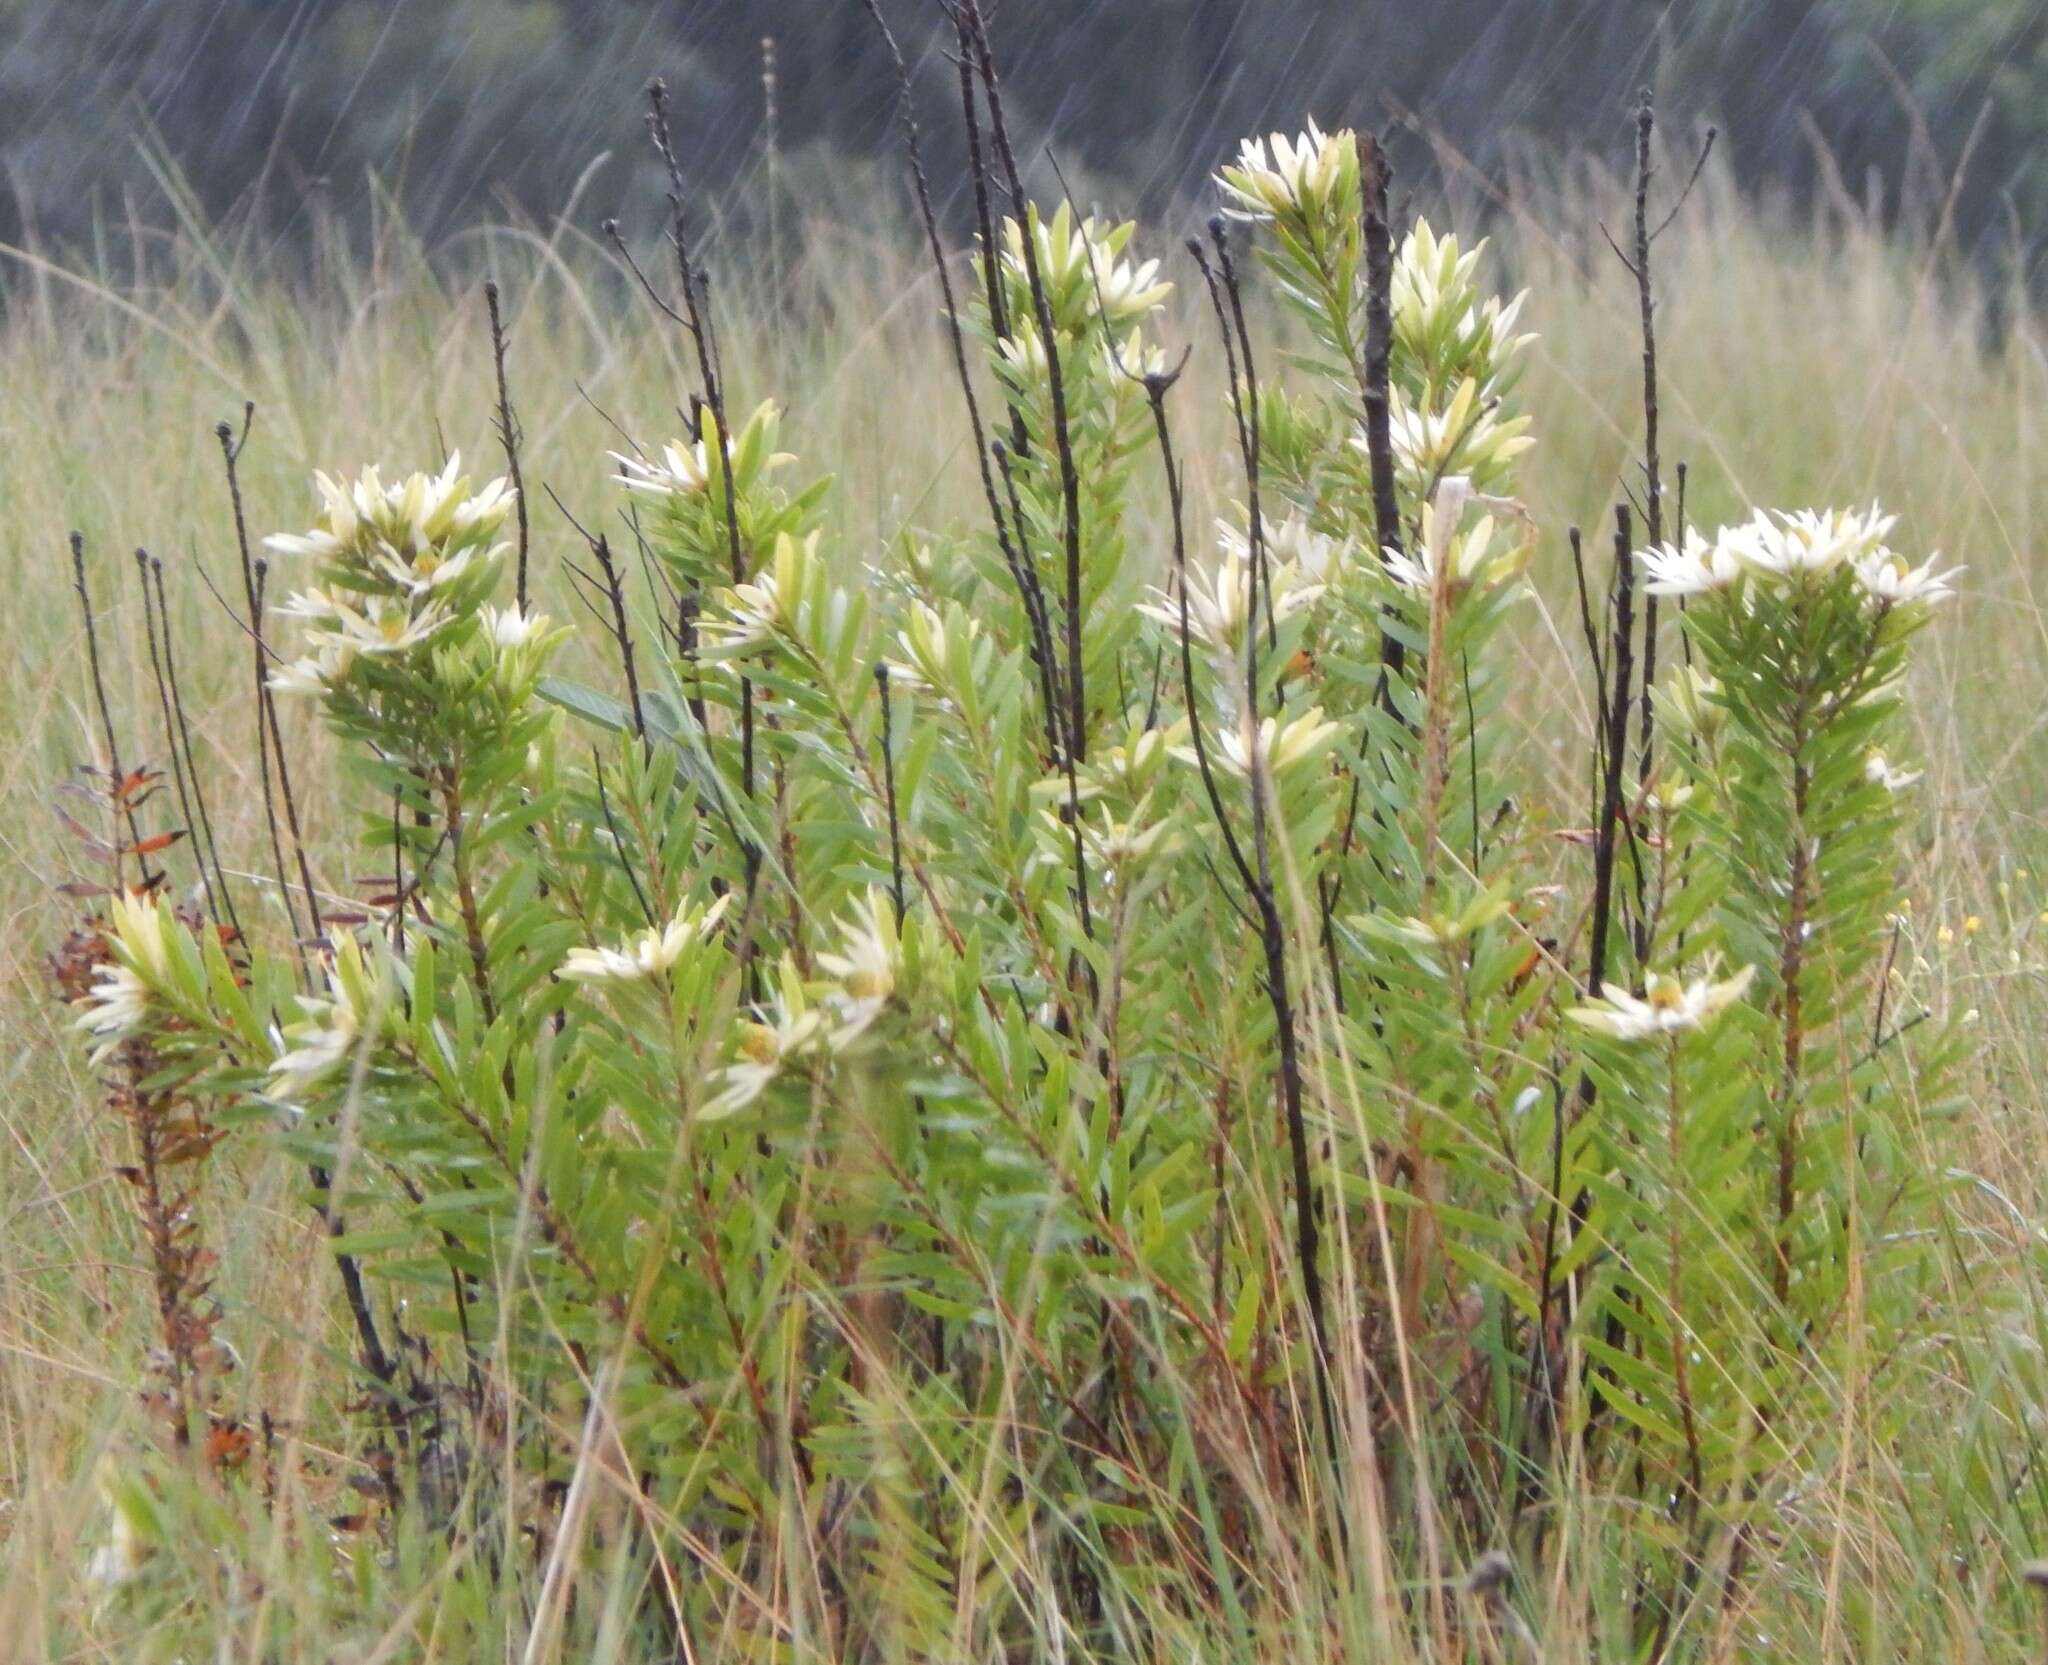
[[889, 790], [1373, 175], [117, 795], [1037, 618], [696, 315], [284, 773], [1022, 573], [1614, 713], [1248, 425], [1070, 480], [163, 696], [267, 737], [1692, 179], [1257, 877], [618, 625], [221, 887], [508, 430], [604, 806], [1653, 484]]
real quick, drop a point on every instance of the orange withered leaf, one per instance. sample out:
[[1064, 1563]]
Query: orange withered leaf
[[228, 1445], [160, 841]]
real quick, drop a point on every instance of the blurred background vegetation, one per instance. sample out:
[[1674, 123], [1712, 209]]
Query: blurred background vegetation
[[463, 110]]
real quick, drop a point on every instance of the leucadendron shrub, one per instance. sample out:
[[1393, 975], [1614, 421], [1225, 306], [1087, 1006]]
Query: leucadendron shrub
[[1053, 1079]]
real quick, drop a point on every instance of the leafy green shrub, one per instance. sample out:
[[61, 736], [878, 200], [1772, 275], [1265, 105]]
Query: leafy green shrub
[[1041, 1088]]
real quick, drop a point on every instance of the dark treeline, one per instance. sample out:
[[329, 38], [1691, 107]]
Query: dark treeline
[[467, 108]]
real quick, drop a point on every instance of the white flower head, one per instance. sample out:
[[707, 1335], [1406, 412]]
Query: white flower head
[[509, 627], [338, 628], [117, 1008], [1689, 703], [652, 952], [1122, 843], [1453, 554], [1809, 542], [1892, 581], [1277, 743], [927, 639], [1128, 767], [330, 1025], [682, 470], [390, 625], [686, 467], [771, 606], [1878, 770], [1695, 566], [315, 673], [1318, 557], [409, 531], [865, 965], [1466, 436], [1219, 602], [1300, 179], [125, 990], [785, 1031], [1115, 844], [1023, 352], [1666, 1007], [1437, 313], [1081, 268]]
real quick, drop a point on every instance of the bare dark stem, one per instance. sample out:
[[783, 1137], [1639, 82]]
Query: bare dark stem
[[1653, 486], [695, 285], [1791, 965], [1015, 559], [1038, 618], [977, 167], [1257, 878], [1070, 479], [622, 633], [118, 798], [889, 790], [284, 773], [1248, 421], [508, 430], [1374, 174], [1614, 713], [604, 806], [192, 773], [163, 696], [231, 450]]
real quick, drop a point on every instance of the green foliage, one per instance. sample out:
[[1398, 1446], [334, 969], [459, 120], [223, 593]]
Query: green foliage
[[982, 1103]]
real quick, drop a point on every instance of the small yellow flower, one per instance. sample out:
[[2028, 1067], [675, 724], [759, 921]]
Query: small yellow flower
[[1972, 926]]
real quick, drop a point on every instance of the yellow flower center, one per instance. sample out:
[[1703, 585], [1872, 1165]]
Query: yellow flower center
[[870, 985]]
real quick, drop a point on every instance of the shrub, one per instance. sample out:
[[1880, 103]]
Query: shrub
[[1045, 1088]]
